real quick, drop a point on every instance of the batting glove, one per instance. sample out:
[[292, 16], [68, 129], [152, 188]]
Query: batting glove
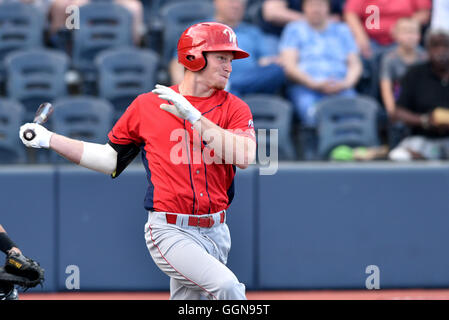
[[181, 107], [42, 138]]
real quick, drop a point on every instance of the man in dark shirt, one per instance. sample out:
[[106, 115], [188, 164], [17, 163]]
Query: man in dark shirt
[[425, 88]]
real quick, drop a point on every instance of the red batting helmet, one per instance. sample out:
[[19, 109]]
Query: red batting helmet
[[206, 37]]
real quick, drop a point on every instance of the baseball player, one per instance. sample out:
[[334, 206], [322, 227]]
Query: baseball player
[[7, 291], [192, 137], [18, 269]]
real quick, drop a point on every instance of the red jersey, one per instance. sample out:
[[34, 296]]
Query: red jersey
[[193, 186], [389, 13]]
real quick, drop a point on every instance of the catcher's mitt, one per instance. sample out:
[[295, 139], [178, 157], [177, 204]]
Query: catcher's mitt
[[22, 271]]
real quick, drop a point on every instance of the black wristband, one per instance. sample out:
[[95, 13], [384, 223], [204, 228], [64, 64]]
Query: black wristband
[[6, 243]]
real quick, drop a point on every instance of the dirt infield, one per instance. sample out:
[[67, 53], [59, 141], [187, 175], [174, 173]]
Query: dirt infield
[[409, 294]]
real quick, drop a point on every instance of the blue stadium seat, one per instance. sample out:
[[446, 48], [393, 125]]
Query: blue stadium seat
[[156, 5], [103, 25], [20, 27], [346, 121], [125, 73], [273, 112], [11, 118], [36, 76], [83, 117], [176, 17]]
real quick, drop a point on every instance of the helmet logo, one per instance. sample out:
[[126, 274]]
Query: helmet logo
[[231, 35]]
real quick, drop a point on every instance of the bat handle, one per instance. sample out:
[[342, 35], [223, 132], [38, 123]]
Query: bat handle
[[29, 134]]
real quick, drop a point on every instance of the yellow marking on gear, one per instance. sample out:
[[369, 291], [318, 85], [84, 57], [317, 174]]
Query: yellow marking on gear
[[15, 263]]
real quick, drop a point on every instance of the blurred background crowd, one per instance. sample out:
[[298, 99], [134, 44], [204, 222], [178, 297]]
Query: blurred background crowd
[[343, 80]]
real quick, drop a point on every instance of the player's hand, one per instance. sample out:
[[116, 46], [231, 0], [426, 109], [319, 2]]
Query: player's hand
[[181, 107], [42, 138]]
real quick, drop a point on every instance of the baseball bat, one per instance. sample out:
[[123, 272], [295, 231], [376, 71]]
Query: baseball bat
[[42, 114]]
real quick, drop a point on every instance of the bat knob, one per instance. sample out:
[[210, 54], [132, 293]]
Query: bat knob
[[29, 134]]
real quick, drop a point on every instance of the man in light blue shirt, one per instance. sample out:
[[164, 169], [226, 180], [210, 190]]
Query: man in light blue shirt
[[320, 59]]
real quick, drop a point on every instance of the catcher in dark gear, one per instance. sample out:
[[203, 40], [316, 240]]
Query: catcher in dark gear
[[18, 269]]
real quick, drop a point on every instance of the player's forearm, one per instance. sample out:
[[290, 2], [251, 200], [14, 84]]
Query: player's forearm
[[233, 148], [94, 156], [6, 244], [68, 148]]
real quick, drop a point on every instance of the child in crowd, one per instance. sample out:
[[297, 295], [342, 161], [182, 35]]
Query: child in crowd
[[406, 34]]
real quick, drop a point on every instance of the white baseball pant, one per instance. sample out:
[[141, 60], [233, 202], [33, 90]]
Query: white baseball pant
[[193, 257]]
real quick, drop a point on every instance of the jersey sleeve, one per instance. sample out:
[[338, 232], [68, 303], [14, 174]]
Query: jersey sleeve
[[125, 138], [241, 119], [126, 130]]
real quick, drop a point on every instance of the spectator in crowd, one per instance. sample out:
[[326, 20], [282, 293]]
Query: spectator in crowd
[[58, 15], [372, 24], [424, 103], [320, 59], [261, 72], [440, 15], [406, 34]]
